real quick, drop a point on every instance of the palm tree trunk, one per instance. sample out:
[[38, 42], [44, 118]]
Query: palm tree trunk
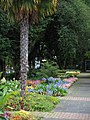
[[24, 25]]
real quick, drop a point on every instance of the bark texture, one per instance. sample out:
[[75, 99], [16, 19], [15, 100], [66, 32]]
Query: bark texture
[[23, 53]]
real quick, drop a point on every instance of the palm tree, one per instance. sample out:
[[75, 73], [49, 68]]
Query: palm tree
[[25, 11]]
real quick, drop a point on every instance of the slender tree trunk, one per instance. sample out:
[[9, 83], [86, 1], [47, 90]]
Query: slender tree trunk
[[24, 25]]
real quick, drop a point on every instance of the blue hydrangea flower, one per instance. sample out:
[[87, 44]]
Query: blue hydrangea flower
[[48, 86], [40, 91], [30, 90], [56, 85], [65, 82], [51, 79], [49, 92], [60, 81], [44, 79]]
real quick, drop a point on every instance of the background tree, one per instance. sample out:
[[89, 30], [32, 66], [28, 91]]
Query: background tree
[[5, 44], [9, 44], [69, 31]]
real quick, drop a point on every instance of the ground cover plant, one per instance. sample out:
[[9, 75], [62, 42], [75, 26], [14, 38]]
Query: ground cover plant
[[32, 102], [46, 70], [6, 91]]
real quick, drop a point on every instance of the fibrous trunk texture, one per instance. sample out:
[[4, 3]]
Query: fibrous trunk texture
[[24, 25]]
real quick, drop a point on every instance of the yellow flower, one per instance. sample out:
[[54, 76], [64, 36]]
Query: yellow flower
[[21, 98]]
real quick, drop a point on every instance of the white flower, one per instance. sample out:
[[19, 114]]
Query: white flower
[[3, 80], [13, 78]]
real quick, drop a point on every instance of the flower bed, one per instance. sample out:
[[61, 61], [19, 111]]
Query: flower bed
[[52, 86], [69, 82], [40, 94]]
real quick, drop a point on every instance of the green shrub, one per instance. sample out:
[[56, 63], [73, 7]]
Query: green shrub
[[41, 102], [8, 86], [47, 69], [34, 102], [7, 89]]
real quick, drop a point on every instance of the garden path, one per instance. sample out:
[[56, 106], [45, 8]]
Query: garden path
[[76, 105]]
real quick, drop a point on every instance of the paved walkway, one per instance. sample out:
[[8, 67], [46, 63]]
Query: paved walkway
[[76, 105]]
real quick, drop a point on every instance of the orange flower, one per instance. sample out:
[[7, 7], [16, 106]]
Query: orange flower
[[16, 118]]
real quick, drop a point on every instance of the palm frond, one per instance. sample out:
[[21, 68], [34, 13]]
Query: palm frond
[[18, 8]]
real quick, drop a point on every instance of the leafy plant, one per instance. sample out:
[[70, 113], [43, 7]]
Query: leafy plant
[[33, 102], [47, 69], [7, 90], [8, 86], [2, 118], [3, 102]]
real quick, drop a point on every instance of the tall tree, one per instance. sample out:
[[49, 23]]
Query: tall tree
[[69, 30], [25, 11], [5, 43]]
